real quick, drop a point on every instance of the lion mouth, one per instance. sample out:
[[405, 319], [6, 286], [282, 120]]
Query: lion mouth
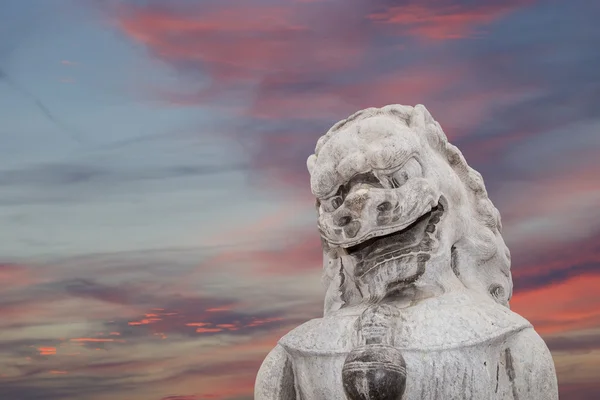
[[417, 238]]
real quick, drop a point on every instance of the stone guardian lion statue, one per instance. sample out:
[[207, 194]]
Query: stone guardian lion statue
[[417, 275]]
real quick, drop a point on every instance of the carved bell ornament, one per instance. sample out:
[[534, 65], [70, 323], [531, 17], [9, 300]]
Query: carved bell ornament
[[417, 277]]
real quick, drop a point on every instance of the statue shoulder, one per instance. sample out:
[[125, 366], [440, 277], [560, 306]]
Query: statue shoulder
[[329, 335], [433, 325], [441, 325]]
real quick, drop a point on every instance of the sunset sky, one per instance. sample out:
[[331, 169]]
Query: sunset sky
[[157, 230]]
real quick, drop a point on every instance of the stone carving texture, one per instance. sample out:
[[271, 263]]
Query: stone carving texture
[[417, 277]]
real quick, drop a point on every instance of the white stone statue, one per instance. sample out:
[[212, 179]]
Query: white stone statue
[[417, 275]]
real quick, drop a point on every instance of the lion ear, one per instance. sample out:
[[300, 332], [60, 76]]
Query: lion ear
[[420, 116], [310, 163]]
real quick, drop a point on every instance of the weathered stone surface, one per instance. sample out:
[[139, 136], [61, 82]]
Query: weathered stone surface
[[417, 276]]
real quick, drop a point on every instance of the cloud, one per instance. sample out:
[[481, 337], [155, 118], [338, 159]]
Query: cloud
[[574, 343], [83, 182], [555, 209], [15, 276], [554, 286], [563, 79], [191, 318], [47, 351], [295, 99], [117, 311], [185, 323], [52, 175], [237, 46], [249, 52], [315, 85], [83, 288], [300, 253], [479, 81], [444, 20], [583, 391], [241, 337], [157, 368], [556, 263], [569, 305], [61, 389]]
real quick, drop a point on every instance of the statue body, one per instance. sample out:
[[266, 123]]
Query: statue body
[[417, 276]]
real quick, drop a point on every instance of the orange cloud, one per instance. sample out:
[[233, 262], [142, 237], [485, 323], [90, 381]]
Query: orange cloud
[[58, 372], [47, 351], [219, 309], [94, 340], [570, 305], [230, 327], [197, 324], [144, 321], [208, 330], [258, 322]]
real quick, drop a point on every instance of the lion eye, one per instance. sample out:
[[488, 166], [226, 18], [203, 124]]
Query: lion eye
[[398, 179], [411, 169]]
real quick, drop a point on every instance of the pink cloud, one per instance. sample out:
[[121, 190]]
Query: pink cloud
[[439, 21], [239, 47], [235, 43], [14, 276], [408, 86]]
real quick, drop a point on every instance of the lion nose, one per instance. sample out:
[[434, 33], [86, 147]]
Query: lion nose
[[343, 220], [352, 229], [384, 207], [351, 226]]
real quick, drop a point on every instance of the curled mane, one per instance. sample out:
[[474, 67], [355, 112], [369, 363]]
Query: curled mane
[[480, 258]]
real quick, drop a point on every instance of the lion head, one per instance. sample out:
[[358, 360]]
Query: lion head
[[398, 207]]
